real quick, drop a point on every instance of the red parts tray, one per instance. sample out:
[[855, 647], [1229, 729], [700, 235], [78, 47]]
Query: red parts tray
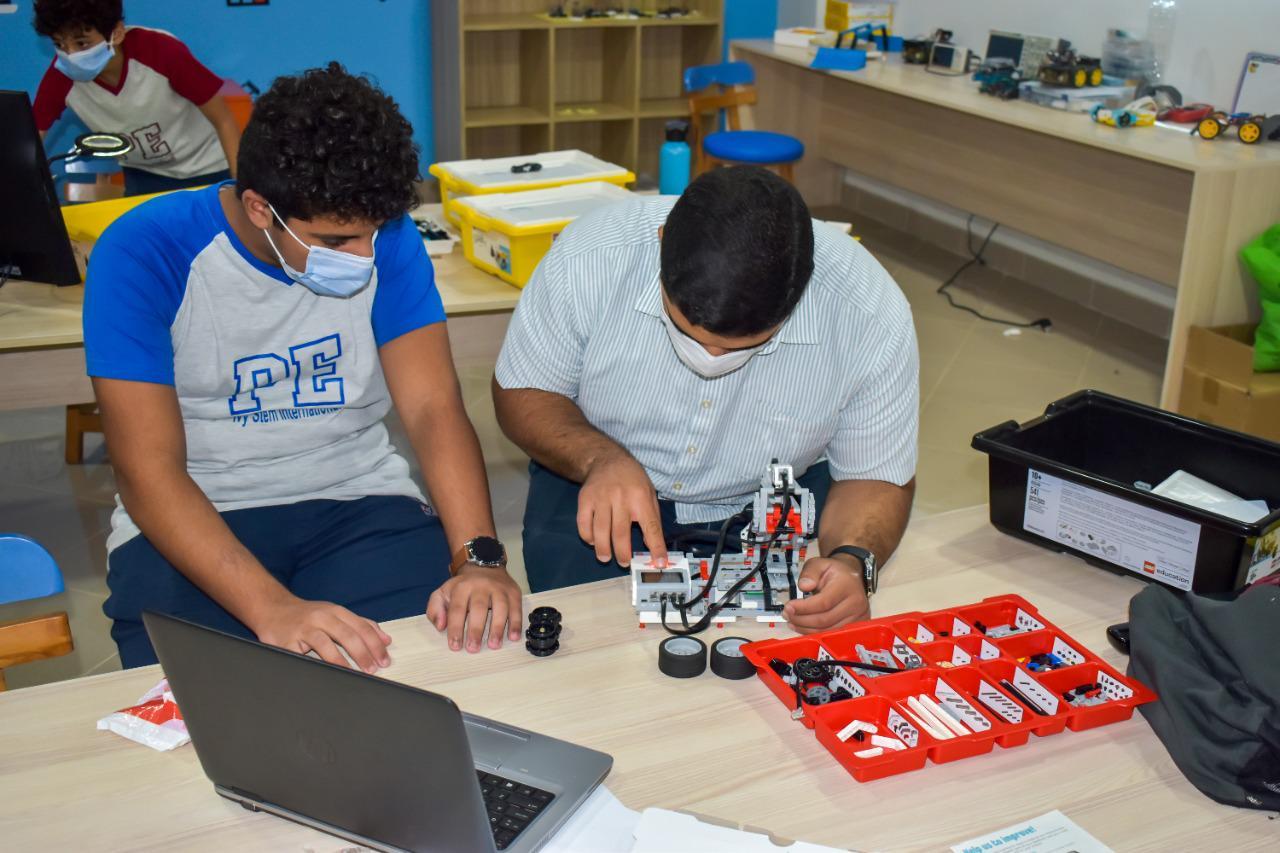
[[988, 666]]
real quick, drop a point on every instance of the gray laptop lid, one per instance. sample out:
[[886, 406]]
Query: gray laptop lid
[[367, 756]]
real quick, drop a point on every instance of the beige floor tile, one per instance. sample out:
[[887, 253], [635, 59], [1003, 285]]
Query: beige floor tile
[[1007, 387], [1059, 350], [90, 630], [74, 532], [949, 421], [1126, 354], [950, 479], [940, 340]]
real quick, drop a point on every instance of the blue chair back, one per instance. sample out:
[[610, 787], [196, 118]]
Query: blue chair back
[[27, 570], [700, 77]]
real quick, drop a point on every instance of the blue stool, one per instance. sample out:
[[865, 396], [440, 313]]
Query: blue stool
[[724, 88], [28, 571]]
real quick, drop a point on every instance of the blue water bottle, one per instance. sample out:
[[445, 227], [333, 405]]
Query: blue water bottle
[[674, 160]]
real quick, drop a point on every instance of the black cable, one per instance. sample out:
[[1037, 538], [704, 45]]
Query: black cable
[[1044, 323], [806, 666], [713, 609]]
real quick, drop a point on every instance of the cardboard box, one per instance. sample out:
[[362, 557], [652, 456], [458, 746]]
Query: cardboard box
[[1219, 385]]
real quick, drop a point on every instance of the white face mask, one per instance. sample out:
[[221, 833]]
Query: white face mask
[[699, 360]]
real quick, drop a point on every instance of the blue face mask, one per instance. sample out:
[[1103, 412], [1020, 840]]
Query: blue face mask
[[329, 272], [84, 65]]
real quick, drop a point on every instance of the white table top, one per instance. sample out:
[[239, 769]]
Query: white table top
[[722, 749], [40, 315], [1159, 145]]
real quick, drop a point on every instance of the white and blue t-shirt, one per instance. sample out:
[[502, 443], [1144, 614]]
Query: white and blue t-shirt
[[281, 390]]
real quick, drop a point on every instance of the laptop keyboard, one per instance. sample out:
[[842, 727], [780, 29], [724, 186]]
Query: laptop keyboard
[[511, 805]]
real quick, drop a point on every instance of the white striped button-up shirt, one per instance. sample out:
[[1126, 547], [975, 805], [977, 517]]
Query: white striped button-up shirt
[[840, 379]]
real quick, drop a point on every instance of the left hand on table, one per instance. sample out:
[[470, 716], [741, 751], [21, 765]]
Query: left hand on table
[[465, 601], [835, 595]]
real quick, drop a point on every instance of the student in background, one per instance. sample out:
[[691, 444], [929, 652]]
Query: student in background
[[141, 83], [246, 341]]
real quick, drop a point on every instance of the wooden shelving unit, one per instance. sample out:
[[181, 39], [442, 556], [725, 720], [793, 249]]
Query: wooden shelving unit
[[510, 81]]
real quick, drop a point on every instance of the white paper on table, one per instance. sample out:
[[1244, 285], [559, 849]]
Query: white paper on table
[[662, 831], [1049, 833], [602, 824]]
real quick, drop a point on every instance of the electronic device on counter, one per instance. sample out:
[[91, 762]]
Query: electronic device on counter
[[33, 236], [1027, 52], [374, 761], [945, 58], [690, 593]]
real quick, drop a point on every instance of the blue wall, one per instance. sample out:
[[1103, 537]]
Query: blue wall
[[749, 19], [388, 39]]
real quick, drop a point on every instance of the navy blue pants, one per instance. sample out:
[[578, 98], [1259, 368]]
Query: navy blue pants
[[555, 556], [142, 182], [379, 556]]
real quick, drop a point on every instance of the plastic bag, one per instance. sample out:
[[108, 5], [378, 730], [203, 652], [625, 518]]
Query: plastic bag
[[155, 721], [1262, 257]]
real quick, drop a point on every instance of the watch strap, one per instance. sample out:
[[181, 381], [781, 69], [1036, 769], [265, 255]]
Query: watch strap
[[868, 560]]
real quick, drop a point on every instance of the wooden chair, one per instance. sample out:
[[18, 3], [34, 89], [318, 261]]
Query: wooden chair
[[722, 88], [28, 571]]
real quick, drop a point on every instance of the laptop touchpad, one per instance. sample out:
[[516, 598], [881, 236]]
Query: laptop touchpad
[[492, 746]]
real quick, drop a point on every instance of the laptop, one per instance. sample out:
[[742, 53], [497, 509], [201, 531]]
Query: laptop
[[370, 760]]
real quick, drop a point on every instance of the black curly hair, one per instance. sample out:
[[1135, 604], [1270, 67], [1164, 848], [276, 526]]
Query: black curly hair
[[57, 16], [329, 143]]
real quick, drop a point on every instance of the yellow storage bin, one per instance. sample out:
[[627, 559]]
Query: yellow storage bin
[[86, 222], [508, 233], [461, 178]]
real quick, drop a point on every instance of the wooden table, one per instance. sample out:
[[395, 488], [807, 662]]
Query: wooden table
[[1158, 203], [42, 344], [723, 749]]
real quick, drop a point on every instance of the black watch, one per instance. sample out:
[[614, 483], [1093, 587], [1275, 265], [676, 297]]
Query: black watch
[[870, 571], [482, 551]]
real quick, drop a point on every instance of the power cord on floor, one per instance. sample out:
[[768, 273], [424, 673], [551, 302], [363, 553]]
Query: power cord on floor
[[976, 257]]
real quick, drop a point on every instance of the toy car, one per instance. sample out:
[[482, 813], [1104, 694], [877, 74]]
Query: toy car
[[1137, 114], [1065, 67], [999, 77], [1250, 128]]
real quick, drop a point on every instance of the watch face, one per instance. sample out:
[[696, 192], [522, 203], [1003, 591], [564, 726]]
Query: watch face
[[486, 550]]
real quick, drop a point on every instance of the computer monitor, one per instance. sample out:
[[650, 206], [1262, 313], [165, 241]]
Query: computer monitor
[[33, 238]]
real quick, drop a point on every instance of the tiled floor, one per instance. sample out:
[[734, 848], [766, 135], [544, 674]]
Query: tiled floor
[[973, 376]]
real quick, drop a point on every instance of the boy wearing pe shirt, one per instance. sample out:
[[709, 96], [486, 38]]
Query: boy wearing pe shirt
[[245, 342], [141, 83]]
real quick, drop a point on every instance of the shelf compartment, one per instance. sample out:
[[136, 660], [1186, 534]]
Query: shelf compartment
[[506, 71], [596, 68]]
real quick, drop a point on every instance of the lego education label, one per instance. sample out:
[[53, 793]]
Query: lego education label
[[1142, 540], [1050, 833]]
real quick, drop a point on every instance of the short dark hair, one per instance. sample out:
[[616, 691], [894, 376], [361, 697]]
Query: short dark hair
[[737, 251], [329, 143], [56, 16]]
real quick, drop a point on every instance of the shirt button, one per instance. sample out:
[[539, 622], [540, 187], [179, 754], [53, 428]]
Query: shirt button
[[678, 486], [706, 404], [693, 449]]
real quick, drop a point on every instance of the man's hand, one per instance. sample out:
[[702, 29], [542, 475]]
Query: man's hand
[[465, 601], [326, 629], [616, 493], [835, 595]]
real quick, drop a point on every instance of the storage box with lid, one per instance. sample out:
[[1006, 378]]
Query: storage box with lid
[[508, 233], [462, 178]]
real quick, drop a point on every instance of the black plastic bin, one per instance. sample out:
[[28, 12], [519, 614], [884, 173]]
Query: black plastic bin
[[1066, 480]]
